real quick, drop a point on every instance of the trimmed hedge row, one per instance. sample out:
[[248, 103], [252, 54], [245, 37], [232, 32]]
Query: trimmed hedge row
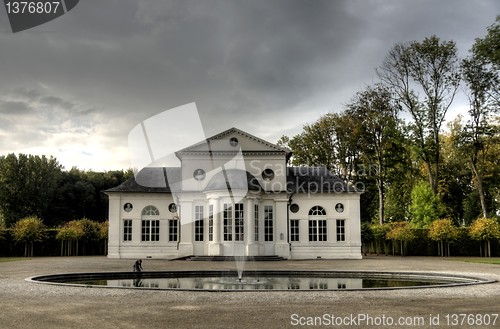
[[424, 246], [48, 247]]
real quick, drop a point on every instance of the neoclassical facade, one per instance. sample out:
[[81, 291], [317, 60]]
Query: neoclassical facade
[[234, 195]]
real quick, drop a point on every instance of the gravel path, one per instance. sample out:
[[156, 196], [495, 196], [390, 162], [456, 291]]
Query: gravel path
[[31, 305]]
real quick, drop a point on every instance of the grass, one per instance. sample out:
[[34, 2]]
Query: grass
[[483, 260], [11, 259]]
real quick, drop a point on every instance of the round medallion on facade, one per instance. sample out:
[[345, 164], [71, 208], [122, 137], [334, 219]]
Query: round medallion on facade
[[233, 141], [294, 208], [128, 207], [199, 174], [268, 174], [339, 207], [172, 207]]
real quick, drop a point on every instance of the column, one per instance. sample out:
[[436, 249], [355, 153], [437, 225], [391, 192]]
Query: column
[[186, 227], [214, 248], [282, 247], [114, 234], [252, 249]]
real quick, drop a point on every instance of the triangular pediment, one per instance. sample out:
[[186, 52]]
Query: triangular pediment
[[234, 140]]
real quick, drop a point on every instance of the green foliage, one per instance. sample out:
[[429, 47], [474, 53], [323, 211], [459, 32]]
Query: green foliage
[[487, 48], [425, 205], [29, 230], [484, 229], [400, 231], [28, 183], [70, 231], [443, 230], [425, 77]]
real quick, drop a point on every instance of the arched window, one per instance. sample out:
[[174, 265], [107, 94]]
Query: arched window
[[317, 211], [150, 211], [317, 225], [150, 227]]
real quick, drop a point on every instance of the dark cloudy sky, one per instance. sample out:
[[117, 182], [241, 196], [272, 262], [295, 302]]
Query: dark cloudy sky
[[74, 87]]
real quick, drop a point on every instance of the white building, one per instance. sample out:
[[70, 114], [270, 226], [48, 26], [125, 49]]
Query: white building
[[234, 195]]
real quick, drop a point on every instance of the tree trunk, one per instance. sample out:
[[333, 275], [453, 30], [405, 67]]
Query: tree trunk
[[448, 245], [479, 185], [489, 248], [380, 185]]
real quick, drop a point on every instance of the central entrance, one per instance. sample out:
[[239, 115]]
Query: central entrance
[[233, 229]]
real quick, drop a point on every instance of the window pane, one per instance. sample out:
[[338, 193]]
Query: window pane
[[146, 230], [211, 222], [238, 222], [268, 223], [313, 230], [228, 222], [127, 230], [340, 230], [198, 224], [256, 220], [172, 230], [294, 230], [155, 230]]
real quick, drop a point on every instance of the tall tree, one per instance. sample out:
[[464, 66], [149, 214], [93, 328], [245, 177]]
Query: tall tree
[[425, 77], [375, 116], [27, 185], [480, 73]]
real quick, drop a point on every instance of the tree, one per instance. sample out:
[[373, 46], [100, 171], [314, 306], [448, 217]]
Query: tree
[[482, 82], [487, 47], [27, 185], [29, 230], [69, 234], [402, 232], [425, 205], [331, 142], [375, 117], [425, 77], [444, 232], [485, 230]]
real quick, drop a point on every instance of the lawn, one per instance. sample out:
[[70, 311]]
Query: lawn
[[11, 259], [485, 260]]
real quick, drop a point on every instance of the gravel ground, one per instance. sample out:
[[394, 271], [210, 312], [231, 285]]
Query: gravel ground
[[31, 305]]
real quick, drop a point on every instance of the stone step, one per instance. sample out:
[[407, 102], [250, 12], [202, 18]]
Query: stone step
[[234, 258]]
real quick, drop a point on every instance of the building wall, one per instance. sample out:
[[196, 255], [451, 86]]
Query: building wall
[[186, 244]]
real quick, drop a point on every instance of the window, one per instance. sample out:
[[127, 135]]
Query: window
[[211, 222], [268, 174], [127, 230], [173, 225], [256, 220], [340, 229], [294, 230], [238, 222], [317, 230], [294, 208], [228, 222], [268, 223], [150, 211], [150, 227], [150, 230], [198, 223], [317, 211]]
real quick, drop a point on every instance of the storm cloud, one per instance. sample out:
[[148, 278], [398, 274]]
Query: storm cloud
[[267, 67]]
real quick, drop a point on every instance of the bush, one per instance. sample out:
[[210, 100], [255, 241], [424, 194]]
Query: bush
[[485, 230], [29, 230], [444, 232]]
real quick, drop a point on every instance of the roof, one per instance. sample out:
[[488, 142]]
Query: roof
[[150, 180], [316, 179], [299, 180], [275, 147]]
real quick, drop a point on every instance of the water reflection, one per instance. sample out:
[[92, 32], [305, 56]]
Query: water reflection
[[261, 283]]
